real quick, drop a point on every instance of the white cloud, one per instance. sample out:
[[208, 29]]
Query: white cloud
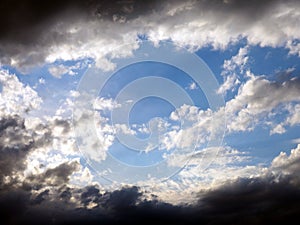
[[93, 133], [294, 115], [123, 128], [204, 24], [232, 68], [256, 98], [287, 164], [42, 81], [292, 119], [58, 71], [193, 86], [278, 129], [207, 169], [15, 97], [294, 47], [105, 104]]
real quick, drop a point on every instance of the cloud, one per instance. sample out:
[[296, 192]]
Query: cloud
[[251, 107], [193, 86], [16, 143], [58, 71], [242, 201], [254, 102], [15, 97], [51, 195], [104, 30], [288, 165], [232, 68], [57, 176]]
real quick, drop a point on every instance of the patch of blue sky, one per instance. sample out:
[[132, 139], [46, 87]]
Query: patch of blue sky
[[145, 69], [269, 61], [262, 146], [136, 158]]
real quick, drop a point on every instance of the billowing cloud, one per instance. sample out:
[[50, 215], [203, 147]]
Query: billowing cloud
[[254, 101], [239, 201], [231, 68], [15, 97], [99, 32]]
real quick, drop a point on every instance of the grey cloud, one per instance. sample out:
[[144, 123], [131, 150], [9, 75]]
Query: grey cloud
[[30, 28], [33, 30], [270, 198], [15, 144], [24, 21], [47, 198], [246, 201], [57, 176]]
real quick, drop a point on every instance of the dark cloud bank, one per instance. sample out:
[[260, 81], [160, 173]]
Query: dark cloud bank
[[30, 28], [47, 199]]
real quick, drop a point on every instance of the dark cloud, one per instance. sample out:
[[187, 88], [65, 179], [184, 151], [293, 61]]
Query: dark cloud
[[47, 198], [57, 176], [33, 31], [15, 143], [264, 200], [28, 29], [22, 21]]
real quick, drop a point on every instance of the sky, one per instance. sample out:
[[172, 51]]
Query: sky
[[149, 112]]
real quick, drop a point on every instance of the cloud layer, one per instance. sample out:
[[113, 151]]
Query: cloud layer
[[74, 30]]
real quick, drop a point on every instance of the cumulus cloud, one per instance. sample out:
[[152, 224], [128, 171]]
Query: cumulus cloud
[[232, 68], [15, 97], [254, 101], [252, 106]]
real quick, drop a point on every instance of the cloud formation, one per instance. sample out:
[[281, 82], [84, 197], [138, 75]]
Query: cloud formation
[[242, 201], [105, 30]]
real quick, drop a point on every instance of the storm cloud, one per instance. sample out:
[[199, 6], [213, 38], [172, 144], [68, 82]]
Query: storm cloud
[[49, 198]]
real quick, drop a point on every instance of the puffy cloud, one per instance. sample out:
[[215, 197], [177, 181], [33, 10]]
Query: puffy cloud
[[193, 86], [294, 115], [252, 106], [288, 165], [93, 134], [15, 97], [254, 101], [240, 201], [231, 68]]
